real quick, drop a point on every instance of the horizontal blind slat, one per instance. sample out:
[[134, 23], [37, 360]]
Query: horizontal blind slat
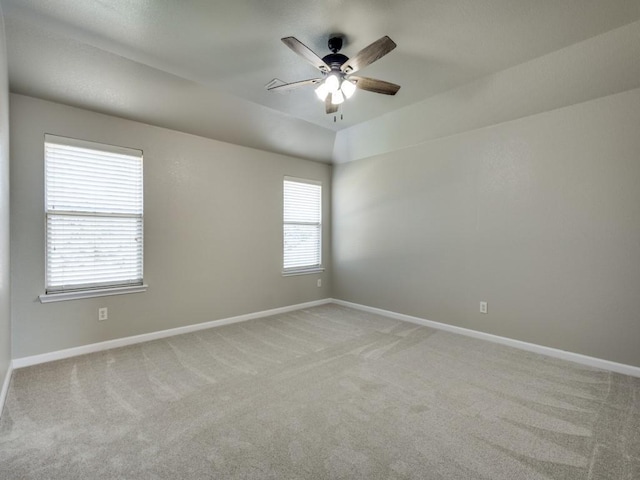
[[86, 250], [302, 224]]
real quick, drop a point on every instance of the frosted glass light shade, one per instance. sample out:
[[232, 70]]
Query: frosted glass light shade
[[333, 83], [348, 88], [322, 91], [337, 97]]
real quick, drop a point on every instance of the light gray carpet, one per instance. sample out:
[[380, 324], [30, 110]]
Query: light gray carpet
[[327, 392]]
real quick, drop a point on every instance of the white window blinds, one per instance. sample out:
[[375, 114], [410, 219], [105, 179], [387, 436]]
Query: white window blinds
[[302, 224], [93, 196]]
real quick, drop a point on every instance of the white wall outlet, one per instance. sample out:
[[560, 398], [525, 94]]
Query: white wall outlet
[[484, 307], [319, 282], [103, 314]]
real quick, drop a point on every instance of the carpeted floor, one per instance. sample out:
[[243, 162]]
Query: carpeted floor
[[323, 393]]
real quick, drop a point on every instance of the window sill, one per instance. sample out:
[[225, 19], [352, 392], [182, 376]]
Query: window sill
[[302, 271], [101, 292]]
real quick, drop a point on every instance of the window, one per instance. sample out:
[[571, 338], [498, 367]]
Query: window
[[302, 226], [94, 222]]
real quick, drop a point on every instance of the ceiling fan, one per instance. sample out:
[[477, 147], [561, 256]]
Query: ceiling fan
[[338, 82]]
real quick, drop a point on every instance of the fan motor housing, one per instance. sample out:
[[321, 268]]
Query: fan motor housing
[[335, 60]]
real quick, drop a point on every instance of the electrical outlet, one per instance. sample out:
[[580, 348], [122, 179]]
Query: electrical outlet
[[103, 314], [319, 283], [484, 307]]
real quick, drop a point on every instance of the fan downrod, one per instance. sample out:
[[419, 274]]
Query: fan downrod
[[335, 44], [335, 59]]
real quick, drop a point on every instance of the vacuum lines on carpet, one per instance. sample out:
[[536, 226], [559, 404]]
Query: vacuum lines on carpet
[[323, 393]]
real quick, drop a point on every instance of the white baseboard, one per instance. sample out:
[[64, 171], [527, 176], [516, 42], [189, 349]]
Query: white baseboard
[[146, 337], [5, 387], [530, 347], [122, 342]]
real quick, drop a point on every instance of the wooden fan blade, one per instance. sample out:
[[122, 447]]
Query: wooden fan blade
[[305, 52], [330, 107], [368, 55], [291, 86], [377, 86]]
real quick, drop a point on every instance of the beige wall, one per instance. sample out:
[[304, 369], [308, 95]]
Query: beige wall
[[538, 216], [213, 232], [5, 298]]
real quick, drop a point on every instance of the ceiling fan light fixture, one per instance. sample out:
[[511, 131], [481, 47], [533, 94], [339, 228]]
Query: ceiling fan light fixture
[[322, 91], [348, 88], [337, 71], [333, 83], [337, 98]]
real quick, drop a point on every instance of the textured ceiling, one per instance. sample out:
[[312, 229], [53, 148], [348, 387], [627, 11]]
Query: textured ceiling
[[201, 66]]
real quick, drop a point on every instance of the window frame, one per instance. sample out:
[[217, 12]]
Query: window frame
[[307, 269], [119, 288]]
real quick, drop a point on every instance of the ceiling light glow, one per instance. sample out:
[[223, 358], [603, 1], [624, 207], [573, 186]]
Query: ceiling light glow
[[348, 88], [322, 91], [337, 97], [333, 83]]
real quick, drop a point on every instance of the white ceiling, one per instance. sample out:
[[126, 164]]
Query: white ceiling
[[201, 66]]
